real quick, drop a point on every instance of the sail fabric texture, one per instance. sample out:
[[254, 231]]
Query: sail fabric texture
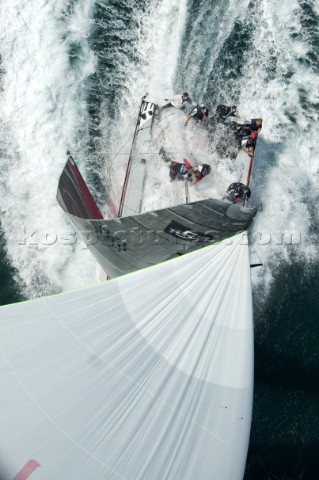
[[148, 376]]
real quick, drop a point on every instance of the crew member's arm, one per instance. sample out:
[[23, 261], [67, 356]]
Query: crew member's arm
[[190, 115], [249, 151], [190, 169], [198, 176], [234, 113], [174, 98], [247, 192], [205, 119], [187, 119], [196, 180], [187, 163]]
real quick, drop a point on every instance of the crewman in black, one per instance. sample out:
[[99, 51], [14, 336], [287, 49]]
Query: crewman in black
[[181, 170], [237, 191], [223, 112], [199, 113]]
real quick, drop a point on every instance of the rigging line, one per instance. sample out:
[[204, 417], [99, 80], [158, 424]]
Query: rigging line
[[157, 153], [112, 162], [141, 153], [119, 151], [173, 113], [129, 164], [144, 128], [165, 126]]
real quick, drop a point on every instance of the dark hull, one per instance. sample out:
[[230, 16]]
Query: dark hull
[[123, 245]]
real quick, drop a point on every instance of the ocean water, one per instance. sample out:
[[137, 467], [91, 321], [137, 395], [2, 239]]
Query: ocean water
[[72, 73]]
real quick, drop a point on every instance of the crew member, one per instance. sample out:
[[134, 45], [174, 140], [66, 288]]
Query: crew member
[[254, 125], [200, 171], [248, 143], [237, 191], [182, 170], [223, 112], [181, 100], [199, 113]]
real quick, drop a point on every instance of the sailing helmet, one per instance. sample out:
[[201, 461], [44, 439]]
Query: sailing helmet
[[185, 95], [206, 169]]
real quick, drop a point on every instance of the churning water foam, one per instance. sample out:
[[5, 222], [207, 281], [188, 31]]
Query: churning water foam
[[280, 84], [276, 81], [44, 113]]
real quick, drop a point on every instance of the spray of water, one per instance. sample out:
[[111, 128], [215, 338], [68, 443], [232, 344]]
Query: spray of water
[[280, 86], [43, 113], [261, 57], [155, 54]]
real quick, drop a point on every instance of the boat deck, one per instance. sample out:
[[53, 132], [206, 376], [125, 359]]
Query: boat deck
[[160, 138], [159, 219]]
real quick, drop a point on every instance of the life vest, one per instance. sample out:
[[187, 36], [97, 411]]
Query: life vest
[[180, 168], [222, 110], [237, 190], [198, 113]]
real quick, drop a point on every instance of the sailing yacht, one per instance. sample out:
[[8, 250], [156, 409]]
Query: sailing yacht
[[150, 374], [141, 235]]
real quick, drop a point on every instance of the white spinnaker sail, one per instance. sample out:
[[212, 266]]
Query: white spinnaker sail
[[148, 376]]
